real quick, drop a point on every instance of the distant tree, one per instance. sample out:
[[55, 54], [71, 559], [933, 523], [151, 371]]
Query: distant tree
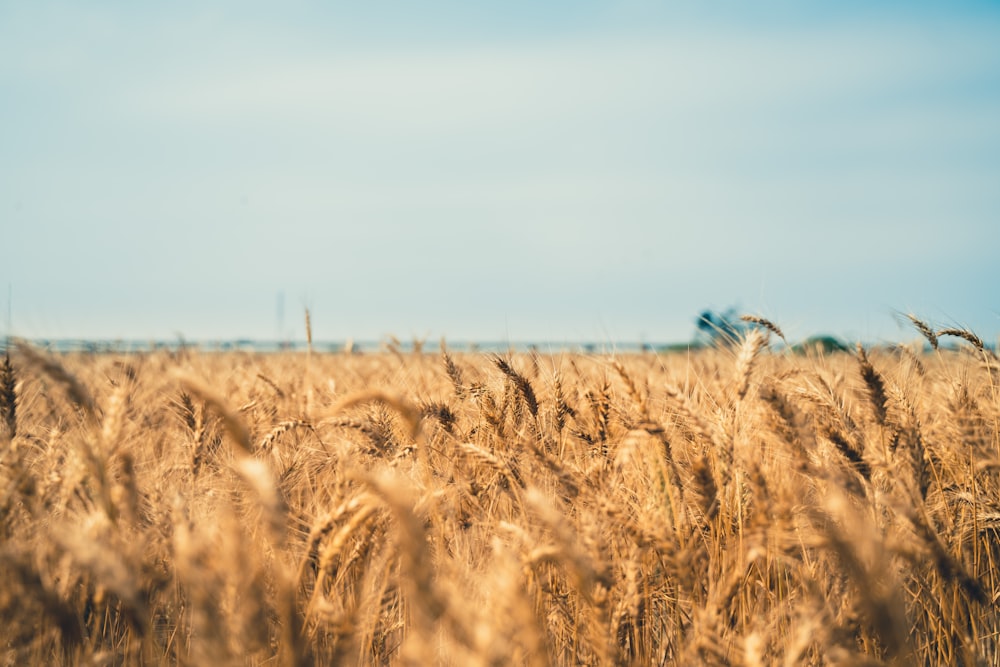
[[821, 344], [723, 327]]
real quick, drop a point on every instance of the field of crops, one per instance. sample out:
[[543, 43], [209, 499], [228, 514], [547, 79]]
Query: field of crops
[[743, 505]]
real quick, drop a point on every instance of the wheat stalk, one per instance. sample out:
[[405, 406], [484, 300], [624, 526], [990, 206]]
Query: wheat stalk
[[522, 384], [767, 324], [925, 330], [875, 384], [8, 396], [965, 335]]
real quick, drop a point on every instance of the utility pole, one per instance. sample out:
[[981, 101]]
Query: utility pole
[[7, 330], [279, 329]]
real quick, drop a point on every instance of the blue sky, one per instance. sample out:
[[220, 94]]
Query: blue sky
[[525, 171]]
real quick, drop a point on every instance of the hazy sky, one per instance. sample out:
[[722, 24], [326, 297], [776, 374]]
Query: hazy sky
[[519, 170]]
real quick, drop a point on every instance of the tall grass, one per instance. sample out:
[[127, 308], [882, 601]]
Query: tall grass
[[732, 506]]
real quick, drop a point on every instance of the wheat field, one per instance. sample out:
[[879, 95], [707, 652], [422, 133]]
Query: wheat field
[[741, 505]]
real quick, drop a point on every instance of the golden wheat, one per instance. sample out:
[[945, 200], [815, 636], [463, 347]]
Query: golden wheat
[[720, 507]]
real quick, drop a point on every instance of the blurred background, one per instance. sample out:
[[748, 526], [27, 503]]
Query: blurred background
[[516, 171]]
